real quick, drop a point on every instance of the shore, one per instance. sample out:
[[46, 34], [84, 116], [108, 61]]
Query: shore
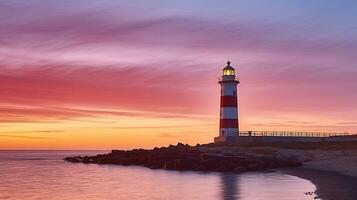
[[332, 167], [181, 157], [339, 161], [334, 157], [334, 172], [329, 185]]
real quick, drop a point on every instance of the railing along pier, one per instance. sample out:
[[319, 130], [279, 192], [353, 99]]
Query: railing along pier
[[290, 134]]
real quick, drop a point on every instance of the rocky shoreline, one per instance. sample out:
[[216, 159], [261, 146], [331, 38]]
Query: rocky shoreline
[[195, 158]]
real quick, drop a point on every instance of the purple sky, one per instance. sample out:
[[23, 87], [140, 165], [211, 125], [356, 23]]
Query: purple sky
[[296, 60]]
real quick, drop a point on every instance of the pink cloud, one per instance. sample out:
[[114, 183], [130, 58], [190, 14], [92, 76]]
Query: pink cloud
[[56, 91], [285, 67]]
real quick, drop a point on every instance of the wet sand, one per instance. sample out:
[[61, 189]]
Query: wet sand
[[332, 167], [329, 185], [333, 170]]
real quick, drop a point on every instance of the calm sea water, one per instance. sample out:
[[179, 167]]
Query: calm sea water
[[28, 175]]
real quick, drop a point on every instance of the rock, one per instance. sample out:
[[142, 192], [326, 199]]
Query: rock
[[180, 145], [239, 169], [184, 157]]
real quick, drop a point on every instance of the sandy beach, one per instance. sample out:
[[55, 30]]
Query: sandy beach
[[329, 185], [334, 172], [332, 167], [340, 161]]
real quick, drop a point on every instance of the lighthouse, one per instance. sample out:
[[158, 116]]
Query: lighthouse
[[228, 125]]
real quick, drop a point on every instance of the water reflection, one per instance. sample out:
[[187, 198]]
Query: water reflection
[[44, 175], [229, 186], [264, 186]]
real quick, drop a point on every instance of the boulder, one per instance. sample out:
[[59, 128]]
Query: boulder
[[184, 157]]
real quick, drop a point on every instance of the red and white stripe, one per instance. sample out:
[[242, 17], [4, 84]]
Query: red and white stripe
[[229, 107]]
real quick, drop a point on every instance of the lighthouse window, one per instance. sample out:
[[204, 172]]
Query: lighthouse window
[[228, 72]]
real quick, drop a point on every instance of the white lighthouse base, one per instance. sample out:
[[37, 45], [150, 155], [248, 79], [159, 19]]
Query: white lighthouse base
[[225, 139]]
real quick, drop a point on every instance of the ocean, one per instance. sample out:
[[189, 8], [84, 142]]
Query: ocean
[[37, 175]]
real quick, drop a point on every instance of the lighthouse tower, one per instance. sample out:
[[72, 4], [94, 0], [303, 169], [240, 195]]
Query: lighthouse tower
[[228, 126]]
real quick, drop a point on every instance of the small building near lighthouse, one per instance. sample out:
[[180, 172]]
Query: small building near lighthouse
[[228, 123]]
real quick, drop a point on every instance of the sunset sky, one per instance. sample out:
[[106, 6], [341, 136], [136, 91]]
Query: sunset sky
[[109, 74]]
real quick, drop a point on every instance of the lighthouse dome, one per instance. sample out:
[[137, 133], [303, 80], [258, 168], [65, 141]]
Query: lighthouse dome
[[228, 70]]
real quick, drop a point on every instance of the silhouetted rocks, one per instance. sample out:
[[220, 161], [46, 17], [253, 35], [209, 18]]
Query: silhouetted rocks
[[196, 158]]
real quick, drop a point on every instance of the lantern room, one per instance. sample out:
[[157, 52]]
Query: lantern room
[[228, 70]]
